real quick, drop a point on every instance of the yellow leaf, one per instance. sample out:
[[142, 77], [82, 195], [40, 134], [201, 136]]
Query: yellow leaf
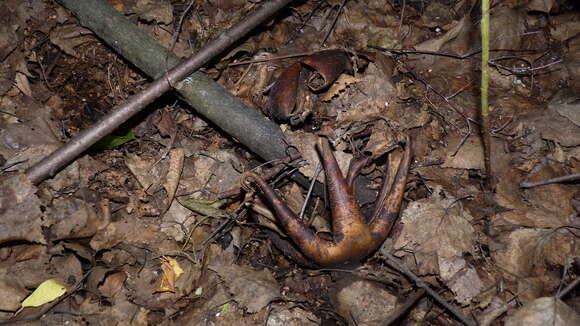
[[175, 266], [46, 292], [171, 272]]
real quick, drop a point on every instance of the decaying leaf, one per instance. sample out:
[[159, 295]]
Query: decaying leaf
[[171, 272], [284, 103], [437, 43], [340, 85], [112, 284], [251, 289], [363, 302], [469, 156], [440, 233], [68, 37], [176, 157], [156, 11], [20, 214], [282, 100], [529, 252], [544, 311]]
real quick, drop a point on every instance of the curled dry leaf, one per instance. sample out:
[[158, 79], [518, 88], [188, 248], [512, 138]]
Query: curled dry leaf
[[171, 272], [327, 65], [282, 98], [176, 157]]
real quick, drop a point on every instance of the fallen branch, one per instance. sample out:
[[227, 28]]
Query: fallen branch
[[208, 98]]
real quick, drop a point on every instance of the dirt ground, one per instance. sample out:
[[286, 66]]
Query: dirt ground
[[154, 226]]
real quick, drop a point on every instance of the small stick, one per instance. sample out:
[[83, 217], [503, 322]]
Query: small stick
[[334, 22], [409, 303], [309, 194], [398, 264], [280, 57], [565, 178], [568, 288]]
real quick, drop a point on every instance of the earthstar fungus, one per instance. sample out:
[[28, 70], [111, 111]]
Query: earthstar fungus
[[353, 237]]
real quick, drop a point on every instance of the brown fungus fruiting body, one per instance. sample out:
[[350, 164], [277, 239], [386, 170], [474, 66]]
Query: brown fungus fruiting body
[[353, 239]]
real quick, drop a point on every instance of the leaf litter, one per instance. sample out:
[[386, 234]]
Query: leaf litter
[[134, 230]]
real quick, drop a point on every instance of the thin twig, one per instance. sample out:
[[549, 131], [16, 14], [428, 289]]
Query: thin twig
[[334, 22], [568, 288], [409, 303], [398, 264], [309, 194], [293, 55], [565, 178]]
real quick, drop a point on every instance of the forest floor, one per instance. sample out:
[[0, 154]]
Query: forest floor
[[151, 226]]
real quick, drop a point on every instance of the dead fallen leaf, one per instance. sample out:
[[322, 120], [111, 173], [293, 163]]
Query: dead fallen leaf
[[544, 311], [364, 302], [20, 214], [338, 86], [165, 123], [252, 289], [469, 156], [439, 232], [68, 37], [176, 158], [171, 271], [112, 284], [437, 43], [529, 252], [154, 11]]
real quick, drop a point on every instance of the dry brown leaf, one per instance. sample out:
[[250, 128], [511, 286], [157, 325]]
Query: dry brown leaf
[[528, 252], [437, 43], [541, 5], [469, 156], [22, 84], [251, 289], [439, 232], [113, 284], [145, 171], [154, 11], [20, 214], [535, 218], [165, 123], [176, 158], [362, 302], [304, 142], [544, 311], [338, 86], [294, 316], [68, 37]]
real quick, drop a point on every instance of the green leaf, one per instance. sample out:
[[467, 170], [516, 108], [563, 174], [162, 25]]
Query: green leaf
[[112, 141], [205, 207], [46, 292]]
